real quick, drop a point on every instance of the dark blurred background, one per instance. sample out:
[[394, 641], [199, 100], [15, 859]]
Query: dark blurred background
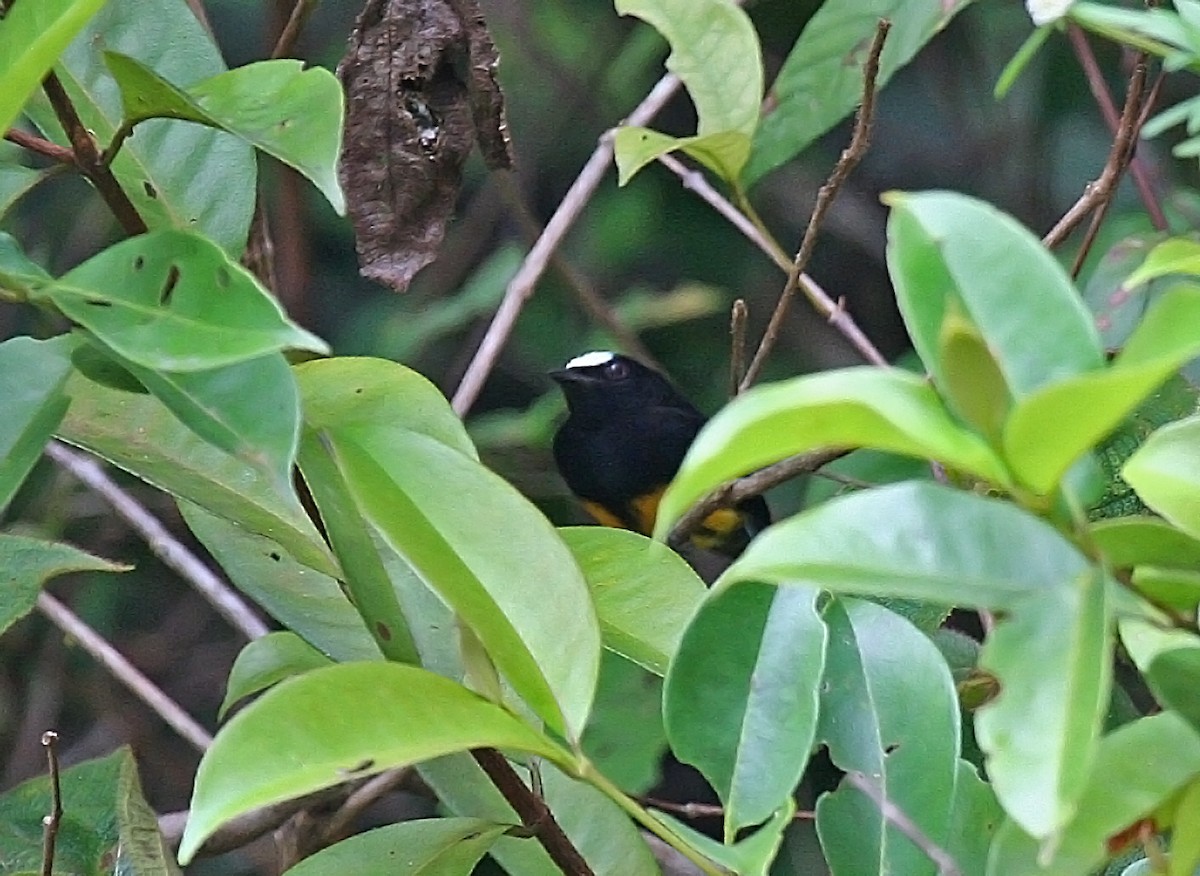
[[656, 254]]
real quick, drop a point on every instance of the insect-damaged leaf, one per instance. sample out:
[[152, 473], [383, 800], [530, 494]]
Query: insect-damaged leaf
[[421, 89]]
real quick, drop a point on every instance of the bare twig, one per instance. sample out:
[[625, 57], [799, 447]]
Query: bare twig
[[945, 863], [291, 30], [738, 316], [522, 285], [1108, 108], [848, 160], [732, 492], [124, 671], [162, 543], [88, 158], [363, 798], [41, 146], [533, 812], [52, 821], [1101, 191], [707, 810]]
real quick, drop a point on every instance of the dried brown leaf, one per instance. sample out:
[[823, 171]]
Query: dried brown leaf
[[421, 89]]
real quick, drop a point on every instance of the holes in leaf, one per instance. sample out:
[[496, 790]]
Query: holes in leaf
[[149, 189], [139, 263], [384, 631], [168, 289], [223, 277], [99, 302]]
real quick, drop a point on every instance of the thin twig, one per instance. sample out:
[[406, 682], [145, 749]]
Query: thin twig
[[738, 315], [338, 826], [892, 813], [849, 159], [706, 810], [52, 821], [88, 158], [732, 492], [40, 146], [291, 30], [533, 812], [520, 288], [1097, 193], [832, 310], [124, 671], [161, 542], [1108, 108]]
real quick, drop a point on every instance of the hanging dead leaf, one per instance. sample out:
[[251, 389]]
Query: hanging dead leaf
[[420, 91]]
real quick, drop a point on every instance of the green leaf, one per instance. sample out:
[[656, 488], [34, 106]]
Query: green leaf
[[821, 81], [268, 661], [1185, 838], [1169, 661], [425, 847], [915, 540], [332, 724], [1137, 768], [32, 377], [106, 826], [973, 385], [18, 273], [1153, 30], [1053, 657], [879, 408], [177, 176], [889, 711], [1177, 255], [1080, 410], [28, 563], [489, 554], [1133, 541], [643, 591], [741, 697], [174, 301], [625, 737], [308, 603], [16, 182], [1165, 471], [750, 856], [715, 51], [286, 111], [31, 39], [1017, 64], [951, 253], [137, 433]]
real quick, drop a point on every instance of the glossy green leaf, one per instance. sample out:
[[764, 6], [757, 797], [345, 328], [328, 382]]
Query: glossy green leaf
[[1177, 255], [1053, 657], [308, 603], [1137, 768], [951, 253], [1165, 471], [715, 51], [492, 556], [1169, 661], [976, 818], [1152, 30], [32, 377], [137, 433], [625, 737], [107, 826], [28, 563], [330, 724], [1133, 541], [17, 272], [378, 398], [31, 40], [854, 407], [268, 661], [915, 540], [972, 382], [821, 81], [1019, 61], [889, 711], [15, 182], [1080, 410], [644, 592], [750, 856], [741, 697], [177, 176], [1185, 839], [278, 106], [425, 847], [174, 301]]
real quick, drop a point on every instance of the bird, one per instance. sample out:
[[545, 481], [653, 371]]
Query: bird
[[626, 434]]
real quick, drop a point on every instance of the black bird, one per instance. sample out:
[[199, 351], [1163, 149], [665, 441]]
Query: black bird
[[626, 434]]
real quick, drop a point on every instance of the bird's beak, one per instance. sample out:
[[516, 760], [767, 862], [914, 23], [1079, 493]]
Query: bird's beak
[[567, 375]]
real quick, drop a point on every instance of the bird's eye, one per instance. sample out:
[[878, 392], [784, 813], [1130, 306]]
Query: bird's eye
[[616, 369]]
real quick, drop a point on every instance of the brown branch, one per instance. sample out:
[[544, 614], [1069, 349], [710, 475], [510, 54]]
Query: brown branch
[[40, 146], [1099, 89], [707, 810], [89, 159], [1101, 191], [732, 492], [291, 30], [532, 811], [945, 863], [849, 159], [339, 824], [51, 822], [738, 316]]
